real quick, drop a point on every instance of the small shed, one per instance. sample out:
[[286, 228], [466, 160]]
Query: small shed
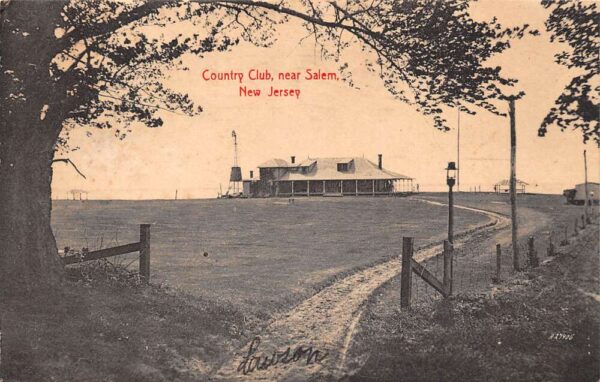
[[577, 195], [503, 186]]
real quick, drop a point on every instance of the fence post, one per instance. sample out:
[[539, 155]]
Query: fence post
[[576, 227], [566, 239], [497, 279], [448, 254], [582, 221], [550, 246], [145, 252], [531, 252], [406, 273]]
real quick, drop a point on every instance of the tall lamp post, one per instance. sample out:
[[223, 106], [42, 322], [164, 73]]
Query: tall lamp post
[[451, 181]]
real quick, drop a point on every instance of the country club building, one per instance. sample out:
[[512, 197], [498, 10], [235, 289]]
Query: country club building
[[325, 177]]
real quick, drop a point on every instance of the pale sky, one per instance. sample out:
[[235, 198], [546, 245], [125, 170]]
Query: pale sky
[[193, 155]]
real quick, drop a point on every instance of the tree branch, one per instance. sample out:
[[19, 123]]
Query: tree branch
[[136, 103], [67, 161], [146, 9]]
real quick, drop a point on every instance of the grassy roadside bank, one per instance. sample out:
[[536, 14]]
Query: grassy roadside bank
[[541, 325], [115, 330]]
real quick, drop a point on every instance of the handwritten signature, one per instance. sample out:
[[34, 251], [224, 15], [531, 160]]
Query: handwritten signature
[[254, 361]]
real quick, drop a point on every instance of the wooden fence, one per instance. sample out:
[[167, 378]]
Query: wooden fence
[[143, 247], [409, 265]]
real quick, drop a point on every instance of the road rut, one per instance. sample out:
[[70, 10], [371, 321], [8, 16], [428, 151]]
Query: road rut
[[327, 320]]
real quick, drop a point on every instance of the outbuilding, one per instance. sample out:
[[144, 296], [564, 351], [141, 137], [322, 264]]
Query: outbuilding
[[504, 186], [577, 195]]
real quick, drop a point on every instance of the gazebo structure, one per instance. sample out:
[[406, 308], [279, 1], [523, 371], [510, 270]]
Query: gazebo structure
[[503, 186], [77, 194]]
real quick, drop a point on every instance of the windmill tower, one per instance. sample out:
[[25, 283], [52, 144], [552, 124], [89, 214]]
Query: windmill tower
[[236, 172]]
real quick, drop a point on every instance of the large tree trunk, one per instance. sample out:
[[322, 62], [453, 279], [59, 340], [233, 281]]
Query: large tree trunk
[[28, 255], [31, 113]]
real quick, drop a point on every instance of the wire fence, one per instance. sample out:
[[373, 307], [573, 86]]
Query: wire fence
[[475, 265]]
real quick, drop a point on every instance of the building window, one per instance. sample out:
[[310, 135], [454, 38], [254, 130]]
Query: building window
[[343, 167]]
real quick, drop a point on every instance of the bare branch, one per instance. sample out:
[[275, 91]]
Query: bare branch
[[69, 161]]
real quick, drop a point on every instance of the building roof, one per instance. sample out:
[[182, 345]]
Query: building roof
[[327, 169], [274, 163], [307, 162]]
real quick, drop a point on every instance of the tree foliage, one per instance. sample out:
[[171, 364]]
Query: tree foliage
[[575, 23], [429, 53]]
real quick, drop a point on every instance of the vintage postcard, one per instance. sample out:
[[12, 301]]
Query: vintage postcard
[[299, 190]]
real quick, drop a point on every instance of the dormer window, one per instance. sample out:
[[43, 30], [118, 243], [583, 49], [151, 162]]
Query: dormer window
[[342, 167]]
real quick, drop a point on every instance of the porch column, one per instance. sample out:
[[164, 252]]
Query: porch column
[[276, 188], [373, 187], [342, 187], [292, 188], [308, 188], [356, 188], [323, 187]]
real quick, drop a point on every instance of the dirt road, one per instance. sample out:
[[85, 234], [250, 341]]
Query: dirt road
[[325, 322]]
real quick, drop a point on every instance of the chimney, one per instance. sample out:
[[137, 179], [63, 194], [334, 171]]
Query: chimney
[[251, 174], [293, 158], [380, 161]]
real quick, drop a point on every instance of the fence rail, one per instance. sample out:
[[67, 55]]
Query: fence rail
[[101, 253], [410, 265], [143, 247]]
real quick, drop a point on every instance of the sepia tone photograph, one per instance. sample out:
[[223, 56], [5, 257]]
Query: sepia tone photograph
[[299, 190]]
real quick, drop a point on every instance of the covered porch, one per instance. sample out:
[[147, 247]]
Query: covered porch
[[354, 187]]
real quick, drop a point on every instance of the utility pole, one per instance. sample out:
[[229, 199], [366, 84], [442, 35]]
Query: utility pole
[[458, 155], [513, 183], [587, 195]]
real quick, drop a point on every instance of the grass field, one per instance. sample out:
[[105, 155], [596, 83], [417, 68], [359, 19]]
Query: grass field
[[263, 254]]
